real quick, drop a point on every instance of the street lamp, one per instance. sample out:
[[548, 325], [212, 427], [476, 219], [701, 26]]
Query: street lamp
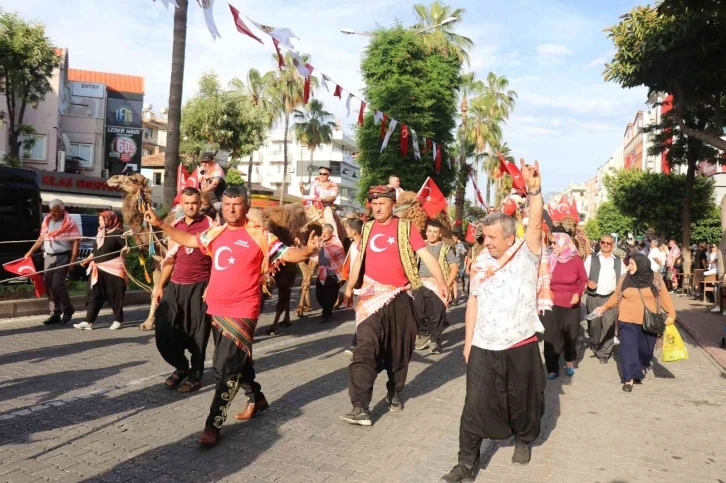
[[349, 31], [443, 22]]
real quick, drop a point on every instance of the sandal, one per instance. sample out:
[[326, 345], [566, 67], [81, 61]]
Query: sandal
[[190, 385], [173, 381]]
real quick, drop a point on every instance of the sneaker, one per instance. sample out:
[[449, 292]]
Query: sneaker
[[53, 319], [522, 453], [115, 326], [716, 309], [604, 360], [435, 347], [459, 473], [393, 400], [422, 342], [83, 326], [359, 416]]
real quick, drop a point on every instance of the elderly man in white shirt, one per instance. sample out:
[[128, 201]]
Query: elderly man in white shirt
[[657, 258], [603, 272]]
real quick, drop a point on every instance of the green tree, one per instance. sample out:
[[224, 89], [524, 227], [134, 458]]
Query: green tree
[[415, 86], [234, 178], [593, 230], [676, 48], [443, 38], [609, 219], [221, 119], [313, 126], [708, 229], [176, 87], [27, 62], [469, 86]]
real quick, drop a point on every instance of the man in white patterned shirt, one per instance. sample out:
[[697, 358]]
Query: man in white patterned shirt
[[504, 376]]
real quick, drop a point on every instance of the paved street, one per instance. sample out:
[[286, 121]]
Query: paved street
[[91, 406]]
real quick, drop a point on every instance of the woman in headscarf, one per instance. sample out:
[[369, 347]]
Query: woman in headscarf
[[638, 287], [562, 323], [107, 277]]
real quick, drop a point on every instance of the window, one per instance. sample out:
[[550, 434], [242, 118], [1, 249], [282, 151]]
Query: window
[[84, 152], [37, 152], [145, 152], [157, 179], [148, 133]]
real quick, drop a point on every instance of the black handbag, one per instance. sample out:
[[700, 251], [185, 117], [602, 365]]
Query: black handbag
[[653, 322]]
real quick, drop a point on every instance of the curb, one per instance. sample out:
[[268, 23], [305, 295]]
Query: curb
[[28, 307]]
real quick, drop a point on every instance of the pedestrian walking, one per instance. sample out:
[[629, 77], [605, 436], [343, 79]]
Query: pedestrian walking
[[181, 319], [562, 323], [59, 237], [384, 275], [429, 306], [460, 250], [504, 375], [674, 262], [331, 257], [242, 252], [603, 272], [354, 230], [107, 275], [639, 288], [656, 256]]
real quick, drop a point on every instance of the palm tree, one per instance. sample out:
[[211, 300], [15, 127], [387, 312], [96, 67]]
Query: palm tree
[[469, 86], [444, 38], [287, 87], [257, 88], [171, 156], [313, 126]]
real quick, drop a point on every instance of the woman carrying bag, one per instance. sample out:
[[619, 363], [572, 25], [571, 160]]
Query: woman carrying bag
[[637, 290]]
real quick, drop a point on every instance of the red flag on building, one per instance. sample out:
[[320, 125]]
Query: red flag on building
[[241, 27], [360, 113], [513, 171], [338, 91], [431, 198], [404, 140], [470, 233], [25, 266]]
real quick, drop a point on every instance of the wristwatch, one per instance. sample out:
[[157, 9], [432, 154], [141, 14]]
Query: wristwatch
[[535, 192]]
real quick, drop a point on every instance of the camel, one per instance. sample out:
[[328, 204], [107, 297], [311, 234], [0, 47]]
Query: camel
[[288, 222]]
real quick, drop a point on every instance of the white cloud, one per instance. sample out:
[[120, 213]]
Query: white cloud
[[553, 50]]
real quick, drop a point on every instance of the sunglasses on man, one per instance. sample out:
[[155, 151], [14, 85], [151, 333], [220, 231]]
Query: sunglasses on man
[[324, 174], [604, 242]]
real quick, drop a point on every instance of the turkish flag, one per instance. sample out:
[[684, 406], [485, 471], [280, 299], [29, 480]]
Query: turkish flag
[[25, 266], [241, 27], [574, 212], [431, 198], [470, 233], [360, 113], [338, 91], [513, 171], [183, 180], [404, 140]]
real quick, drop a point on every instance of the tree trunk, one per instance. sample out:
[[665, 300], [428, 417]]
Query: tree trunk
[[463, 174], [284, 161], [249, 178], [686, 217], [489, 190], [176, 83]]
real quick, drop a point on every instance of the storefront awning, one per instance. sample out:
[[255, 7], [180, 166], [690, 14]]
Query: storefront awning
[[82, 201]]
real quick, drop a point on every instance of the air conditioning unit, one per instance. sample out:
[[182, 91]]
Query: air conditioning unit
[[61, 161], [291, 169]]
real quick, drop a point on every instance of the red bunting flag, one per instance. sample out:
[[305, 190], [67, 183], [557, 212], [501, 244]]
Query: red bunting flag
[[280, 59], [338, 91], [360, 113], [25, 266], [306, 88], [241, 27], [431, 198], [383, 126], [470, 233], [513, 171], [404, 140], [437, 162], [429, 146]]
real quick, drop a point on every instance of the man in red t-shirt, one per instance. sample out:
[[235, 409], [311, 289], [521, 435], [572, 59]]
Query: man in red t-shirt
[[383, 276], [242, 253], [181, 318]]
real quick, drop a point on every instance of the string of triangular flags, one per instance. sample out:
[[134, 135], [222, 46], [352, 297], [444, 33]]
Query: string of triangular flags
[[284, 36]]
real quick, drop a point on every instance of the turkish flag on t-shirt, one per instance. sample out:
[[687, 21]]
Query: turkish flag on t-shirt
[[431, 198], [25, 266]]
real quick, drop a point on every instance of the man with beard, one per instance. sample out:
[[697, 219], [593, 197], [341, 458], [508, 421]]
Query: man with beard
[[181, 318], [242, 253], [429, 307], [383, 275]]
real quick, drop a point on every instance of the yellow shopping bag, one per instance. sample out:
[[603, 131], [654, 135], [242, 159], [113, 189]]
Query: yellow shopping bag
[[673, 347]]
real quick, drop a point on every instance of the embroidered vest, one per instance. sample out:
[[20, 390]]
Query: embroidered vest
[[442, 259], [405, 252]]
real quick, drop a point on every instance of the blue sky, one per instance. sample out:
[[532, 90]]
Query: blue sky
[[553, 53]]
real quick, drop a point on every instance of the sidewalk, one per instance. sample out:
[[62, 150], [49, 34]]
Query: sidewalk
[[706, 328]]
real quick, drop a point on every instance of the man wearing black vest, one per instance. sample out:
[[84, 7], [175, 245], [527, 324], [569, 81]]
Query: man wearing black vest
[[603, 272]]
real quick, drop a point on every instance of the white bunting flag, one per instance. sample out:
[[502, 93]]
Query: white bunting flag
[[347, 103], [377, 117], [434, 153], [325, 82], [391, 127], [167, 2], [302, 69], [282, 35], [208, 7], [416, 151]]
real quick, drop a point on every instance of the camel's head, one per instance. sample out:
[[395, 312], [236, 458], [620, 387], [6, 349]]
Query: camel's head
[[129, 184]]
